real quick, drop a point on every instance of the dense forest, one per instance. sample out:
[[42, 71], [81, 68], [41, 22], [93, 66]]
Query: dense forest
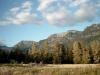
[[81, 48], [79, 54]]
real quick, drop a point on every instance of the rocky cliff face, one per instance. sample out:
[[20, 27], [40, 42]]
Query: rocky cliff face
[[91, 32]]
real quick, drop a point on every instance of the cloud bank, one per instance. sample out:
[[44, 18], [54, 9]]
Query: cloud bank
[[21, 15], [55, 12]]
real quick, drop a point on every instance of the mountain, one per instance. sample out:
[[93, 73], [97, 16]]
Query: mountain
[[67, 38], [63, 38], [5, 48], [93, 30], [24, 45]]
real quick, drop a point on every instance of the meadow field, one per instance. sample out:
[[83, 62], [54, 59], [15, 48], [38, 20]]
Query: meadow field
[[49, 69]]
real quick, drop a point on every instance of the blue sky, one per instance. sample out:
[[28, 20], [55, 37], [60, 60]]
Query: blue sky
[[38, 19]]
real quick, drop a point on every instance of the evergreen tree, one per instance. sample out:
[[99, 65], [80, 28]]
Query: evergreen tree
[[34, 53], [77, 53], [59, 54], [95, 46], [33, 49], [47, 55], [17, 55], [56, 58], [62, 53], [45, 52], [69, 56], [3, 56], [86, 59]]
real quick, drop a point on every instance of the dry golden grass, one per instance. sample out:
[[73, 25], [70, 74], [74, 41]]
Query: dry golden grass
[[70, 69]]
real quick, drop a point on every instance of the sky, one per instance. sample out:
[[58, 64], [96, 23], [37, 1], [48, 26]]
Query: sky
[[37, 19]]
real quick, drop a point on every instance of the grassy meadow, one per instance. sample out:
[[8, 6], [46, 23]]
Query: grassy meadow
[[49, 69]]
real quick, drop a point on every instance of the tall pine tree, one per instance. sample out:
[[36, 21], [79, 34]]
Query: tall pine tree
[[77, 53], [86, 59], [95, 46]]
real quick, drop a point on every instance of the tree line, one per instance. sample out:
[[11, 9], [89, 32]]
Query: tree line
[[77, 53]]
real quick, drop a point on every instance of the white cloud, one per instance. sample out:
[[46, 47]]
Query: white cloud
[[5, 22], [14, 10], [98, 4], [21, 15], [78, 2], [27, 4], [44, 4], [85, 13], [59, 17], [55, 12], [69, 11]]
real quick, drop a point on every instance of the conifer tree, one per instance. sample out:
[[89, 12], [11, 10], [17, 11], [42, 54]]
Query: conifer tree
[[77, 53], [95, 45], [59, 54], [45, 52], [34, 53], [86, 59]]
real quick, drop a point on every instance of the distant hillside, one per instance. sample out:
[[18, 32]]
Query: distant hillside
[[5, 48], [90, 33], [24, 45], [67, 38]]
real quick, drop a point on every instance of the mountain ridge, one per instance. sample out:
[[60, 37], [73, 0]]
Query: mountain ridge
[[63, 37]]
